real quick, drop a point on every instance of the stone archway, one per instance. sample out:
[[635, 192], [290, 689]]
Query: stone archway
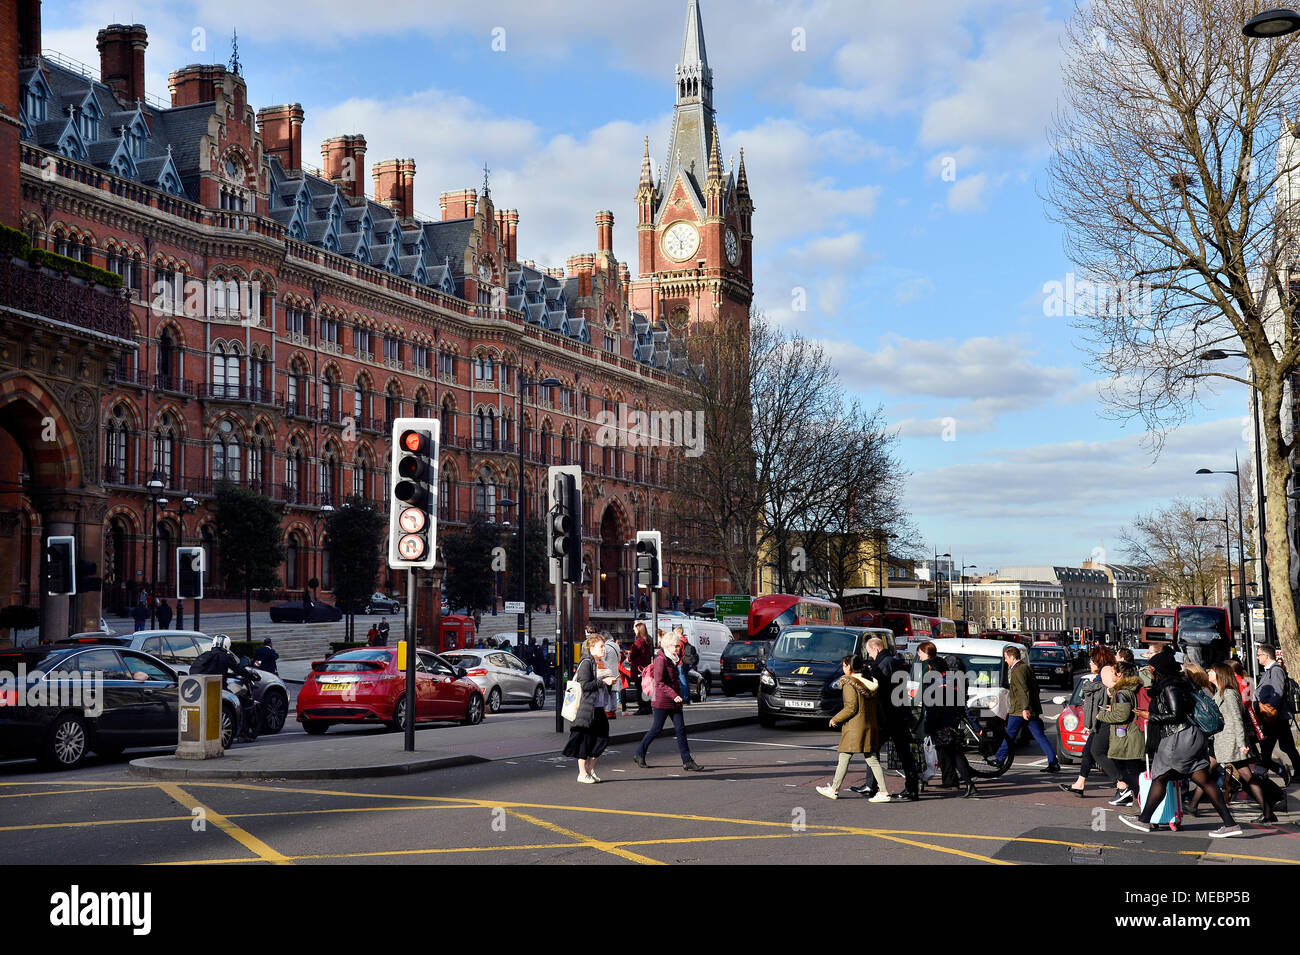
[[612, 583]]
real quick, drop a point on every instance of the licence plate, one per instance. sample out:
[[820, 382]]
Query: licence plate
[[745, 666], [801, 704], [335, 686]]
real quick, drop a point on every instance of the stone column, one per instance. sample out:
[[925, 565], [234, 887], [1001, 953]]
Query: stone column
[[10, 552], [58, 519]]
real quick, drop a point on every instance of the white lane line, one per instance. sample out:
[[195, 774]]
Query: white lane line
[[742, 742]]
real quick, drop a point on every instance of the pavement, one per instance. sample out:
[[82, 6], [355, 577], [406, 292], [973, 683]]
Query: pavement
[[366, 751]]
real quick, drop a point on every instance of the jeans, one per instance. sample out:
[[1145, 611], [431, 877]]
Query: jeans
[[656, 724], [1035, 730]]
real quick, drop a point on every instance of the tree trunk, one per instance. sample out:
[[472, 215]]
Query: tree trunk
[[1276, 468]]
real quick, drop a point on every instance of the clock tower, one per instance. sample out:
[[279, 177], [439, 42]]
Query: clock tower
[[693, 222]]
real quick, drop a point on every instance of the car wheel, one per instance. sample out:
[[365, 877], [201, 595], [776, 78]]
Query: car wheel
[[229, 723], [275, 710], [539, 698], [494, 700], [474, 711], [313, 727], [366, 611], [66, 743], [398, 721]]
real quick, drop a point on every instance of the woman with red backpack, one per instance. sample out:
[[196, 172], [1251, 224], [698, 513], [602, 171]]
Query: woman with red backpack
[[662, 681]]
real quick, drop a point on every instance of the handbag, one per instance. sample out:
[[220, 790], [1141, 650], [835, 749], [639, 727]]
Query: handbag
[[572, 700]]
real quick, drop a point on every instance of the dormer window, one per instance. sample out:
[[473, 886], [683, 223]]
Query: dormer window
[[34, 103], [89, 127]]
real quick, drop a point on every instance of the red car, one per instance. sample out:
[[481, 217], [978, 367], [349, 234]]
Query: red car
[[365, 686], [1071, 734]]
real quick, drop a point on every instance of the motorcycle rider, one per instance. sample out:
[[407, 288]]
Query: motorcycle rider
[[219, 661]]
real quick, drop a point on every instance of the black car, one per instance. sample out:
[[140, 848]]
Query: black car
[[800, 678], [1052, 665], [742, 662], [57, 713], [375, 603], [316, 612]]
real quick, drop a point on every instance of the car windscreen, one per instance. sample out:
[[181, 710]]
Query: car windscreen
[[1046, 655], [742, 648], [352, 660], [981, 670], [1200, 619], [1077, 696], [800, 645], [1158, 621], [462, 659]]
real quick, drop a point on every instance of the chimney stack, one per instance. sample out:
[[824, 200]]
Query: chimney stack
[[408, 187], [29, 30], [582, 267], [343, 162], [395, 186], [605, 231], [459, 204], [121, 58], [512, 230], [281, 129]]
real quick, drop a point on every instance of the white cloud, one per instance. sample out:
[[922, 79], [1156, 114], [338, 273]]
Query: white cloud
[[912, 289], [967, 195]]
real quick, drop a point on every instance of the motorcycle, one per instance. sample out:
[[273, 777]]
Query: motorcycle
[[238, 702]]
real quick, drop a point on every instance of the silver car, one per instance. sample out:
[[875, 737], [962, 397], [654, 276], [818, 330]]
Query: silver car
[[502, 677], [180, 648]]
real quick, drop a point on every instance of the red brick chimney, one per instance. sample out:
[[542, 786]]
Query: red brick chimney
[[459, 204], [582, 266], [281, 129], [121, 59], [605, 231], [408, 187], [389, 188], [196, 83], [29, 29], [512, 230], [343, 161]]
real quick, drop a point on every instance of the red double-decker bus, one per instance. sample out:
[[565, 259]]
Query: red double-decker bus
[[767, 615], [1157, 627]]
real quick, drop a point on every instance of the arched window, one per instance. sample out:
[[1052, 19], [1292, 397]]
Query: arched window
[[165, 360], [164, 449], [117, 448], [445, 502], [448, 429], [359, 408], [329, 479], [392, 404], [259, 461], [485, 495], [293, 563], [293, 471], [163, 571], [226, 454]]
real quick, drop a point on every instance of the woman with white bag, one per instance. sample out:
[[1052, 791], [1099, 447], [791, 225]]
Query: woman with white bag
[[586, 698]]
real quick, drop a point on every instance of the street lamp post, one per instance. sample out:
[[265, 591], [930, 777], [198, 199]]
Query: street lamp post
[[1246, 625], [155, 487], [937, 589], [525, 618], [964, 591], [1217, 354]]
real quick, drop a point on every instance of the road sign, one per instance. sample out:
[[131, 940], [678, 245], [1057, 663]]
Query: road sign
[[514, 606], [413, 515], [733, 610]]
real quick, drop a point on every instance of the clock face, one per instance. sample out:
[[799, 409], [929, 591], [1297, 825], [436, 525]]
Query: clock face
[[233, 169], [733, 248], [681, 241]]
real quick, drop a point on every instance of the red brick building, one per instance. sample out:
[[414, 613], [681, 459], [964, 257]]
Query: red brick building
[[277, 318]]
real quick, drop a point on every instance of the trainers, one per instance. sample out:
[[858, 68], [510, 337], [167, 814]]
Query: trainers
[[584, 778], [1224, 831], [828, 792], [1122, 798], [881, 797], [639, 760], [594, 777], [693, 767], [1134, 822]]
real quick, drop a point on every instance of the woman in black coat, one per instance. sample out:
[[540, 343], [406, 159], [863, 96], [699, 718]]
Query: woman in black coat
[[590, 728]]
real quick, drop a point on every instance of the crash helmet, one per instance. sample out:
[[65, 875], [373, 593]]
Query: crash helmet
[[221, 642]]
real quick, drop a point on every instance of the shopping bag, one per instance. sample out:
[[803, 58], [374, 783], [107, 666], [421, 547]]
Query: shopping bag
[[931, 758], [572, 700], [1170, 811]]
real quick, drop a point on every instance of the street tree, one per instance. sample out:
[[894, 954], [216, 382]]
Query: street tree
[[468, 553], [355, 536], [250, 543], [536, 574], [1175, 172]]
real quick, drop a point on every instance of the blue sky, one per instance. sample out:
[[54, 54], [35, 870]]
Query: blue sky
[[896, 154]]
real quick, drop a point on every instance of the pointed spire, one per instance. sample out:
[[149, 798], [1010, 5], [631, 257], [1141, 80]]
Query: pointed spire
[[693, 53], [234, 65], [715, 158], [742, 181], [646, 175]]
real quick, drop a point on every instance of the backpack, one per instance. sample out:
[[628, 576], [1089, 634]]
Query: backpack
[[1143, 703], [648, 682], [1205, 714], [1291, 694]]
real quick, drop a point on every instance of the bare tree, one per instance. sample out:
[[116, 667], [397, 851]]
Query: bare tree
[[1184, 557], [1175, 173]]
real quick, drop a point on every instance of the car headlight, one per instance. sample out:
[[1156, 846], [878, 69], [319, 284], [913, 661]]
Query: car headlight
[[766, 679], [1070, 722]]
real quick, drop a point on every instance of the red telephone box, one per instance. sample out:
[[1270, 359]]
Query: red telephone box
[[457, 632]]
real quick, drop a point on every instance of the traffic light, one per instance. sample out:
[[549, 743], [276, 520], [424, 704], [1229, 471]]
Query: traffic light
[[87, 580], [649, 560], [189, 573], [413, 511], [564, 523], [60, 566], [1087, 634]]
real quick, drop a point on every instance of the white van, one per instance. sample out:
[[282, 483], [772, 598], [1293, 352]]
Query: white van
[[709, 638]]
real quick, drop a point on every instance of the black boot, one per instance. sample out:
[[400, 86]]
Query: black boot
[[969, 791]]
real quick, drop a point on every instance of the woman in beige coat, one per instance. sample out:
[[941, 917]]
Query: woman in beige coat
[[859, 725]]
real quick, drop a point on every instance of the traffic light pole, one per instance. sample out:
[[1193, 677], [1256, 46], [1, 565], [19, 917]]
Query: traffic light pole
[[559, 655], [410, 661]]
